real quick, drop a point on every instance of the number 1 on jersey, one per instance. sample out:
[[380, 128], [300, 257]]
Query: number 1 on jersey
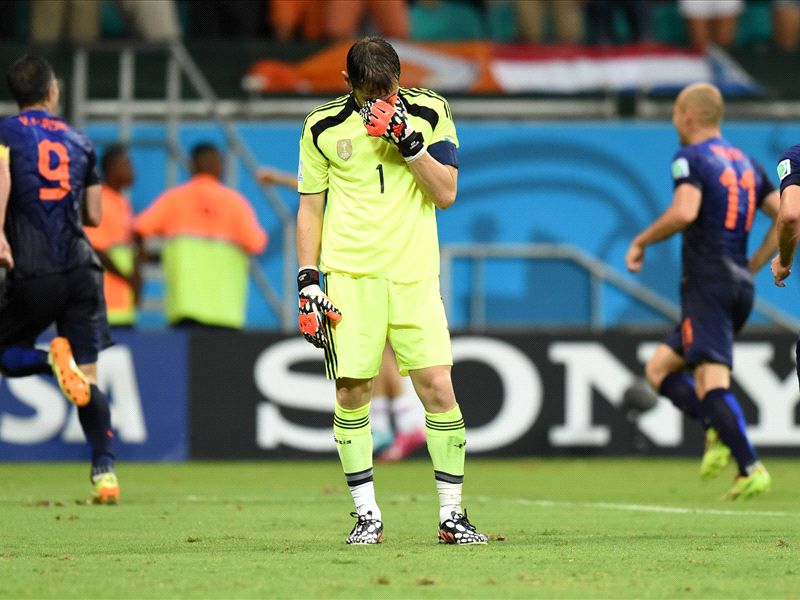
[[379, 168]]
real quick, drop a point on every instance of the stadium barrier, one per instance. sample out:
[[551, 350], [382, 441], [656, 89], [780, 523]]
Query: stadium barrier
[[260, 395], [145, 376], [592, 185]]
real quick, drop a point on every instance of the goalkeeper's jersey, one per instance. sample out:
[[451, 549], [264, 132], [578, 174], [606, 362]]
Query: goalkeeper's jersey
[[378, 221]]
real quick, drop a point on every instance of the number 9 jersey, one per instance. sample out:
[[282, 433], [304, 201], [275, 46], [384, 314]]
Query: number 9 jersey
[[51, 166], [732, 187]]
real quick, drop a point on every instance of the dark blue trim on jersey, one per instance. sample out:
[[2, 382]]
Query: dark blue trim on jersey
[[790, 179], [791, 154], [690, 180], [445, 153]]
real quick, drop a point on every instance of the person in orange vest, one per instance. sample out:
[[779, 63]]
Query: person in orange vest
[[209, 233], [113, 239]]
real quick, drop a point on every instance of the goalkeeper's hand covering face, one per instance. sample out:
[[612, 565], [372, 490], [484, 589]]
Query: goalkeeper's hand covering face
[[389, 119]]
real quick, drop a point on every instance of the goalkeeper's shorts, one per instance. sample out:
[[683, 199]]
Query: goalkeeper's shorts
[[411, 315]]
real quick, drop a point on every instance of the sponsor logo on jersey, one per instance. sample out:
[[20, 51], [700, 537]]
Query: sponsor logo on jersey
[[680, 168], [784, 168], [344, 148], [300, 171]]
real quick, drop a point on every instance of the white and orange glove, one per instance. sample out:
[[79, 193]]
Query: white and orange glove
[[389, 120], [315, 308]]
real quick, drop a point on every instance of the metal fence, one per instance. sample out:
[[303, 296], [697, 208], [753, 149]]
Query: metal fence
[[600, 274]]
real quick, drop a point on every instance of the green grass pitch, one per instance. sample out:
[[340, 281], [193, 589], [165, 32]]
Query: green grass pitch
[[569, 528]]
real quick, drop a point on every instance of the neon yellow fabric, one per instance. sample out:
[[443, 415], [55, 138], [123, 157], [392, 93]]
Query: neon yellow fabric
[[446, 437], [119, 295], [377, 221], [410, 314], [353, 438], [206, 280]]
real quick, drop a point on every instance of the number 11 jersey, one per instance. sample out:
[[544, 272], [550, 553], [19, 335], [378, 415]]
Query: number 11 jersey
[[51, 167], [732, 187]]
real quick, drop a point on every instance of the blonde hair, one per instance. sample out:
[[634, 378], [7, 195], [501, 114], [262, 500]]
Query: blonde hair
[[705, 101]]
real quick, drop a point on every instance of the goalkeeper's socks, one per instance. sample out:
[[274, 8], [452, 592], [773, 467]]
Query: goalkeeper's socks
[[679, 388], [21, 362], [364, 499], [447, 440], [721, 411], [95, 420], [354, 442], [449, 499]]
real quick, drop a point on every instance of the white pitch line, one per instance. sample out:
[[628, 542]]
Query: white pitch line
[[654, 508]]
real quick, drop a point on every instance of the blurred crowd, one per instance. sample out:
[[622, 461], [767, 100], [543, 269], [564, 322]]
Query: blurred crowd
[[691, 22]]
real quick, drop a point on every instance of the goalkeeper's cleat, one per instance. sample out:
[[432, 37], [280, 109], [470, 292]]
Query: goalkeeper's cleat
[[404, 445], [749, 486], [458, 530], [366, 530], [715, 456], [106, 489], [70, 378]]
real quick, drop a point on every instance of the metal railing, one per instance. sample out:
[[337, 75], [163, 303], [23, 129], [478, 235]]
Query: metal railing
[[599, 273], [126, 109]]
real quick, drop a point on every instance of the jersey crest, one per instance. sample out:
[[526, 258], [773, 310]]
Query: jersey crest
[[344, 149]]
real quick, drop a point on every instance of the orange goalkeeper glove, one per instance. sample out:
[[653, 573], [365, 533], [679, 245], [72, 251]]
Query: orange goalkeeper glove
[[315, 308], [389, 120]]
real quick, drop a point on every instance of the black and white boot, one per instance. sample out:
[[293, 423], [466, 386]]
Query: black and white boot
[[366, 530], [458, 530]]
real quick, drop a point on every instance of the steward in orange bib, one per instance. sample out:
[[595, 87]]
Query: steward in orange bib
[[209, 232], [113, 239]]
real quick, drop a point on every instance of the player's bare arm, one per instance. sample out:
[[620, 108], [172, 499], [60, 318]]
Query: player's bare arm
[[309, 228], [680, 214], [314, 306], [439, 181], [270, 176], [788, 228], [6, 258], [769, 244], [93, 206]]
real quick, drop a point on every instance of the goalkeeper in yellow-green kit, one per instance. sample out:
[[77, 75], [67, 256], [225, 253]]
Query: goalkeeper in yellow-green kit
[[374, 166]]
